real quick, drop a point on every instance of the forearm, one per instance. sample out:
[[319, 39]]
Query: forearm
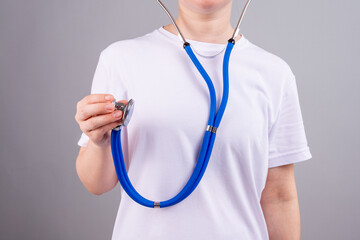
[[282, 217], [95, 168]]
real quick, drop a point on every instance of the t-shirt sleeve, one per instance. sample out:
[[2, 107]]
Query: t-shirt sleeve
[[287, 138], [100, 84]]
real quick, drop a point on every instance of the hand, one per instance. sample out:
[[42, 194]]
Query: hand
[[96, 117]]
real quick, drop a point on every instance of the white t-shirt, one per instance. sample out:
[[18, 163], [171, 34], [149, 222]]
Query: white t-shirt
[[262, 127]]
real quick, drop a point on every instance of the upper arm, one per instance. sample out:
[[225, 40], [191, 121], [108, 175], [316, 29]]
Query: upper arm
[[82, 149], [280, 184]]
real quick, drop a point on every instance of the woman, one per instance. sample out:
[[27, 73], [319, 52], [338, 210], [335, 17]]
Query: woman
[[248, 190]]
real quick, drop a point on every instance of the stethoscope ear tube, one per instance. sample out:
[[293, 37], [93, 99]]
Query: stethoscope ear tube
[[206, 148], [121, 170], [219, 115]]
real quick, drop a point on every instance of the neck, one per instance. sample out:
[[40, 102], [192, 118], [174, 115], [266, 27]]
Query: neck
[[212, 26]]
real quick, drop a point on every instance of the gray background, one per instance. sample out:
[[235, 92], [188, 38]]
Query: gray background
[[48, 55]]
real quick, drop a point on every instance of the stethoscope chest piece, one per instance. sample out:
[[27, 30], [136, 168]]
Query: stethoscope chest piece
[[127, 110]]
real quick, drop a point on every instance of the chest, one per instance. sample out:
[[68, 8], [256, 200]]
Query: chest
[[173, 99]]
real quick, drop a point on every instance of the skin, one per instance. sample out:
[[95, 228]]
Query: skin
[[94, 165], [205, 21]]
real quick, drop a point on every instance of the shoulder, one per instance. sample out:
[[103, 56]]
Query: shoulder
[[268, 62], [127, 47], [271, 70]]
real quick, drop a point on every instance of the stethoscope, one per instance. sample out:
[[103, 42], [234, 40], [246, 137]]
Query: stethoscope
[[209, 137]]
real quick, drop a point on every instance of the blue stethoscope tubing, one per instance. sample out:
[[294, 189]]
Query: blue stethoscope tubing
[[208, 139], [206, 148]]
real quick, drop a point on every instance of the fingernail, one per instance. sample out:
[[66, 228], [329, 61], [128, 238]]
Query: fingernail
[[117, 114], [109, 106], [108, 97]]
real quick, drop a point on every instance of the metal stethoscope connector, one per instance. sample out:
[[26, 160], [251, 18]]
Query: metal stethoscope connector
[[127, 112]]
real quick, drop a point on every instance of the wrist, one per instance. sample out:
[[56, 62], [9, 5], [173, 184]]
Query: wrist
[[99, 146]]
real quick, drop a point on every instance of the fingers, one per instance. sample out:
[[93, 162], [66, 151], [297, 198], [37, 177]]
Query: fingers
[[89, 110], [96, 115], [98, 135], [106, 128], [97, 98], [82, 109], [101, 120]]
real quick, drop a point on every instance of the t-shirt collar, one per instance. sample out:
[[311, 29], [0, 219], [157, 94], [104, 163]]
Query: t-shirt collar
[[204, 48]]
